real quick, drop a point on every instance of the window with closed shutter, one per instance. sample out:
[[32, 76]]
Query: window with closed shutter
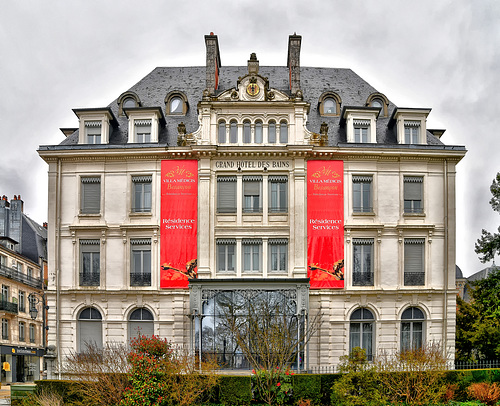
[[413, 194], [226, 194], [414, 270], [90, 195]]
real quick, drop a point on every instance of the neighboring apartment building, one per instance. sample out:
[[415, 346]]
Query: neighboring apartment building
[[23, 260], [200, 184]]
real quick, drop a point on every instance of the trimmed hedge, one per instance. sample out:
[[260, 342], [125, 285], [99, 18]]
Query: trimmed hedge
[[235, 390], [307, 386]]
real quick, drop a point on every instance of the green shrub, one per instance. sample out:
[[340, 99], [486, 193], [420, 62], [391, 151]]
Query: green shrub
[[68, 390], [327, 381], [307, 387], [235, 390]]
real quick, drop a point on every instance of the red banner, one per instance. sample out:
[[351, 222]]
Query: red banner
[[179, 217], [325, 224]]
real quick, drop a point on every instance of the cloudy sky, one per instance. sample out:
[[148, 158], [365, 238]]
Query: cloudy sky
[[64, 54]]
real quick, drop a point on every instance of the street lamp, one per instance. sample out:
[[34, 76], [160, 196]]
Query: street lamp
[[34, 299]]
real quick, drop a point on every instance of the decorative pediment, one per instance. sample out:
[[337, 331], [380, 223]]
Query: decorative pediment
[[252, 88]]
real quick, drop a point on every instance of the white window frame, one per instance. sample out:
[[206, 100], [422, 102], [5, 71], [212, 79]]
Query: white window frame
[[32, 333], [252, 255], [412, 322], [361, 118], [361, 265], [226, 194], [362, 192], [142, 193], [140, 249], [413, 195], [93, 132], [90, 255], [224, 255], [252, 198], [415, 117], [277, 252], [90, 195], [414, 262], [278, 193], [143, 119], [362, 322]]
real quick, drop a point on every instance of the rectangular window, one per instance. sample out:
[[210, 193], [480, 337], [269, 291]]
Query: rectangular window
[[252, 255], [93, 132], [91, 195], [22, 336], [252, 194], [362, 258], [278, 194], [361, 130], [5, 329], [142, 131], [90, 263], [140, 271], [413, 194], [5, 293], [414, 271], [362, 194], [30, 272], [142, 192], [22, 301], [278, 255], [412, 132], [226, 194], [32, 333], [226, 250]]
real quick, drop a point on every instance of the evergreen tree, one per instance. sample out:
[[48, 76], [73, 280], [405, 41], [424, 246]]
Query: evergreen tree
[[489, 244]]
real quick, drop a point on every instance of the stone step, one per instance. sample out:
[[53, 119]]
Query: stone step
[[4, 401]]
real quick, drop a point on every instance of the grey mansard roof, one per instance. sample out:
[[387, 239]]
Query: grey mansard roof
[[191, 81]]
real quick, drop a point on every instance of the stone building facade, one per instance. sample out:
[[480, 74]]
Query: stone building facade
[[251, 135]]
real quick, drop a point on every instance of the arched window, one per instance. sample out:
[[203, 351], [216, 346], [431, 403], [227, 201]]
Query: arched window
[[377, 103], [283, 132], [271, 132], [380, 101], [258, 132], [176, 105], [222, 132], [329, 106], [247, 135], [233, 132], [361, 331], [89, 329], [140, 322], [129, 102], [412, 328]]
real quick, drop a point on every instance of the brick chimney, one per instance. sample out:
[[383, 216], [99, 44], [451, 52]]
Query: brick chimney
[[293, 62], [213, 63]]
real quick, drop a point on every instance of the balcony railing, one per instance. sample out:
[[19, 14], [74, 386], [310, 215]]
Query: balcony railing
[[90, 279], [8, 306], [140, 279], [362, 279], [12, 273], [414, 278]]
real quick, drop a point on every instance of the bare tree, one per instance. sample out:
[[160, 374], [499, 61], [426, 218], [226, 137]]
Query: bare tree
[[100, 373], [270, 332]]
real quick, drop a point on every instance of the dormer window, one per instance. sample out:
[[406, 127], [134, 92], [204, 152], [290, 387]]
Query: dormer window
[[329, 104], [360, 124], [410, 125], [144, 124], [412, 132], [176, 103], [127, 100], [142, 131], [361, 130], [378, 100], [95, 125], [93, 132]]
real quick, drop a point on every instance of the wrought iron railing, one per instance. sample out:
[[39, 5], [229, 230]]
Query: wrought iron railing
[[18, 276], [90, 279], [482, 364], [362, 279], [140, 279], [414, 278], [7, 306]]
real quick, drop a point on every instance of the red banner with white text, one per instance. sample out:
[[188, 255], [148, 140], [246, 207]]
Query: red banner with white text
[[325, 224], [179, 217]]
